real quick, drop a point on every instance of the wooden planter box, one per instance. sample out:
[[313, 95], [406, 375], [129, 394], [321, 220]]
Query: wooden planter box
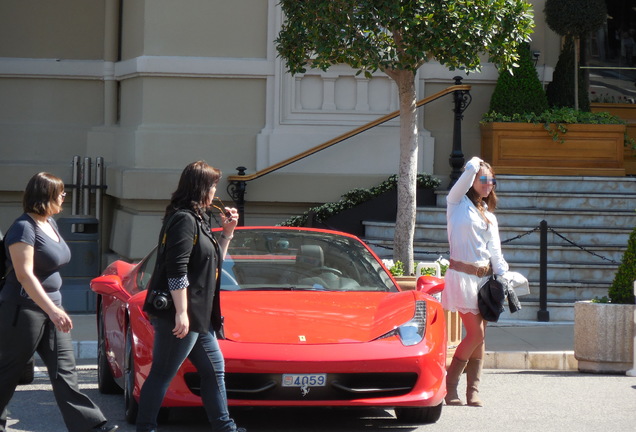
[[626, 112], [528, 149], [603, 337]]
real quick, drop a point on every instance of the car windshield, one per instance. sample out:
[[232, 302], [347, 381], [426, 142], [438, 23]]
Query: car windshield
[[289, 259]]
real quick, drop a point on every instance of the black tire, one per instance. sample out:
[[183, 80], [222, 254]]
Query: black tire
[[28, 373], [131, 405], [105, 381], [419, 415]]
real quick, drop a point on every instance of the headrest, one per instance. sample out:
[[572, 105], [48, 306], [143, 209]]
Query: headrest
[[310, 256]]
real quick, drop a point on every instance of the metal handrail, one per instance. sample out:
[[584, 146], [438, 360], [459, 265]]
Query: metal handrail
[[238, 183], [340, 138]]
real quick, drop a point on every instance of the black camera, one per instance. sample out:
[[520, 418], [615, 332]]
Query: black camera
[[161, 300]]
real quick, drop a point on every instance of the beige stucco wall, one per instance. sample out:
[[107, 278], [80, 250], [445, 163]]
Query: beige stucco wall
[[195, 28], [195, 79], [61, 29]]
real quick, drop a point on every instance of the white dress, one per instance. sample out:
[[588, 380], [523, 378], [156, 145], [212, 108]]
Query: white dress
[[472, 241]]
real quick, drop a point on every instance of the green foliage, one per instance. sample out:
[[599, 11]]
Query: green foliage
[[622, 289], [357, 196], [397, 37], [443, 266], [597, 299], [575, 17], [401, 35], [519, 91], [395, 268], [560, 91], [562, 115]]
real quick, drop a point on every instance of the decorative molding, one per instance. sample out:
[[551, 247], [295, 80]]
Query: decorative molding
[[168, 66], [53, 68], [199, 67]]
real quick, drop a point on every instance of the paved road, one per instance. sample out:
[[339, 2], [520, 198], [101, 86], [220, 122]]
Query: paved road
[[516, 401]]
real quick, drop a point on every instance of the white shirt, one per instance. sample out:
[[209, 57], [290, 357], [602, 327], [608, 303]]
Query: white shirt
[[471, 239]]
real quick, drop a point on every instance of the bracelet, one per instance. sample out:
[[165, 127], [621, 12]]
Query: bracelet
[[227, 237]]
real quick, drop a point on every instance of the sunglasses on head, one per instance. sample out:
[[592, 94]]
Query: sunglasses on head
[[488, 180]]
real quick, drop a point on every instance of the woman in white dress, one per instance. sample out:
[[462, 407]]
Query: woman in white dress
[[475, 254]]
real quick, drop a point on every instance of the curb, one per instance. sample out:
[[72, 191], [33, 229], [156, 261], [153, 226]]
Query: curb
[[531, 360]]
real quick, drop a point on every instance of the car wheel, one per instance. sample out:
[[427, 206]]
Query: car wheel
[[420, 415], [129, 380], [132, 407], [28, 373], [105, 381]]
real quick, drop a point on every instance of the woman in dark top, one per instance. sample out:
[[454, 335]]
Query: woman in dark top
[[31, 314], [191, 258]]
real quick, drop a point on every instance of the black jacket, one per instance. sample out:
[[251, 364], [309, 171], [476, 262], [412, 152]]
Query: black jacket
[[491, 297], [190, 248]]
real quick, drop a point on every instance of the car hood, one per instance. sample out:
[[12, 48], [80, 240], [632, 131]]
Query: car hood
[[313, 317]]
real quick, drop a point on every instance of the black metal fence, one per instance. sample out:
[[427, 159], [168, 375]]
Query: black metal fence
[[543, 315]]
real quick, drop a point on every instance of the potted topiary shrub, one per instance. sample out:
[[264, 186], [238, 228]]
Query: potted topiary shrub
[[560, 140], [519, 138], [519, 91], [604, 328], [574, 20]]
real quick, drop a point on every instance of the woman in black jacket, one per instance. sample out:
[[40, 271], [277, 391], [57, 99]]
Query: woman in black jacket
[[190, 257]]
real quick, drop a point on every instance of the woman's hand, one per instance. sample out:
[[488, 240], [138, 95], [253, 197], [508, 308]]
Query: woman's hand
[[182, 325], [181, 320], [61, 320], [230, 220]]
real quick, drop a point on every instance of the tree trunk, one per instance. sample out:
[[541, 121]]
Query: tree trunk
[[407, 180]]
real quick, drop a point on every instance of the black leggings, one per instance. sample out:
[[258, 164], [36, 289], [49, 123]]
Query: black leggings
[[25, 330]]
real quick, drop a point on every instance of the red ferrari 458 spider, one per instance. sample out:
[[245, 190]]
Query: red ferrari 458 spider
[[312, 318]]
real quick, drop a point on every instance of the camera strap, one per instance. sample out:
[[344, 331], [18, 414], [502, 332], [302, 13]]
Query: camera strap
[[164, 235]]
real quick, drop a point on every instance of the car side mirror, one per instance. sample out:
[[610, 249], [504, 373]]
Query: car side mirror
[[430, 284], [110, 285]]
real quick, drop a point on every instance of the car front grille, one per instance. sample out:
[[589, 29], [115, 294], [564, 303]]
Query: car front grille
[[345, 386]]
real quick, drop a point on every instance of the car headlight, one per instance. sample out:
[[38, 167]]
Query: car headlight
[[413, 331]]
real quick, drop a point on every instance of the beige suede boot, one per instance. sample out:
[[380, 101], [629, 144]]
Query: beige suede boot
[[473, 377], [453, 373]]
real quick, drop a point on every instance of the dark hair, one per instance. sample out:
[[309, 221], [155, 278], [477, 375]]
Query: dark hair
[[490, 200], [42, 193], [194, 187]]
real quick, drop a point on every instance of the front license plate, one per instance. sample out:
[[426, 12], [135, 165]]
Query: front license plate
[[300, 380]]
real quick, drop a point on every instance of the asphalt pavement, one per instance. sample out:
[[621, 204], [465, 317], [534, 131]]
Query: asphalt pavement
[[515, 401], [519, 388], [527, 345]]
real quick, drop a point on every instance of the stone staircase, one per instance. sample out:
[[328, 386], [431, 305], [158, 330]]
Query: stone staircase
[[589, 220]]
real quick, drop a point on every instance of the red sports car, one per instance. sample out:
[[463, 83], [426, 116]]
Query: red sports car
[[312, 318]]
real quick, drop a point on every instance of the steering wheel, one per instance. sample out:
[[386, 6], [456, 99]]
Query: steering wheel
[[324, 269], [227, 275]]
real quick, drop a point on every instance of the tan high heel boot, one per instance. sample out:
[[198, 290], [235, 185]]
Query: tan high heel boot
[[473, 377], [453, 373]]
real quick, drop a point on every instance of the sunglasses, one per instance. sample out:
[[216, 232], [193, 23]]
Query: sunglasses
[[488, 180], [218, 204]]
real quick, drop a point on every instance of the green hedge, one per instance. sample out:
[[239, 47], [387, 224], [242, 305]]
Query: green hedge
[[355, 197]]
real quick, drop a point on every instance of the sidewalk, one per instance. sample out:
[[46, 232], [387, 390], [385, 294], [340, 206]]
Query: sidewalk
[[509, 344]]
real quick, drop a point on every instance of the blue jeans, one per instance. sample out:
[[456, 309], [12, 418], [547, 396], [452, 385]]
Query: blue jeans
[[168, 354]]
